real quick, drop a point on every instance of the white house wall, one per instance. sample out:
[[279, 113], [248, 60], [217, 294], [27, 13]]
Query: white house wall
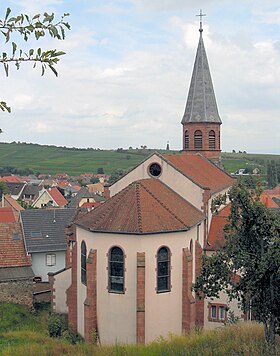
[[116, 313], [40, 268], [170, 176], [61, 284]]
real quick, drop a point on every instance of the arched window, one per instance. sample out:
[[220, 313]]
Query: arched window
[[212, 140], [116, 270], [163, 270], [83, 263], [187, 143], [198, 139]]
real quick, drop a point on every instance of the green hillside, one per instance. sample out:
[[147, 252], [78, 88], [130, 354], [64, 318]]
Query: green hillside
[[52, 159]]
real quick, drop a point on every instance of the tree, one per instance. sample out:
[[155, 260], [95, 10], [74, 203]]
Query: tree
[[271, 174], [94, 180], [100, 170], [251, 254], [37, 26], [3, 189]]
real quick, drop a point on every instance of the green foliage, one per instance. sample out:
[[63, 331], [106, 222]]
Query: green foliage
[[116, 174], [272, 176], [38, 26], [72, 337], [3, 189], [57, 325], [94, 180], [252, 252], [100, 170]]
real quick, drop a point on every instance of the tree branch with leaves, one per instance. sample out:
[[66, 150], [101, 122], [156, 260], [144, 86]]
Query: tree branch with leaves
[[27, 27], [247, 267]]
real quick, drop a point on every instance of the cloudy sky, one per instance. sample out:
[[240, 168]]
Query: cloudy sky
[[125, 77]]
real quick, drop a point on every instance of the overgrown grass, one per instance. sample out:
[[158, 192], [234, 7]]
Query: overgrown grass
[[24, 333]]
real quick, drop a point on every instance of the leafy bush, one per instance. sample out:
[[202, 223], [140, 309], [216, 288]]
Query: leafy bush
[[72, 337], [57, 325]]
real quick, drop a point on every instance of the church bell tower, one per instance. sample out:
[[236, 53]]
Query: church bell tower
[[201, 121]]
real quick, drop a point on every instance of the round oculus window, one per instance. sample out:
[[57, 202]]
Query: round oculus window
[[155, 169]]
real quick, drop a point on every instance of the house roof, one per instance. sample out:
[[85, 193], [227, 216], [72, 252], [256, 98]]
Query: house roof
[[201, 102], [7, 215], [15, 273], [13, 203], [83, 193], [31, 189], [57, 196], [44, 230], [15, 188], [11, 179], [12, 248], [216, 237], [201, 171], [143, 207], [270, 198], [95, 187]]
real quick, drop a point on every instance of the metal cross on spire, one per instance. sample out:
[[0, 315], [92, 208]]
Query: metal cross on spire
[[201, 15]]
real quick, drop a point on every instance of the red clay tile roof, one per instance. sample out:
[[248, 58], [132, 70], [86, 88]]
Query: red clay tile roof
[[11, 179], [13, 203], [57, 196], [216, 237], [143, 207], [267, 197], [12, 250], [7, 215], [201, 171]]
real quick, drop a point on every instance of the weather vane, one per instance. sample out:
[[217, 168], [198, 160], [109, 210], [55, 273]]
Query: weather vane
[[201, 15]]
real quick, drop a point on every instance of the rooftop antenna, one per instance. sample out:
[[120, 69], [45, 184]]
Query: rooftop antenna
[[200, 23], [54, 216]]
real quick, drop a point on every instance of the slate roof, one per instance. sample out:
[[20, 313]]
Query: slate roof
[[84, 193], [201, 102], [15, 273], [216, 237], [12, 248], [44, 229], [145, 206], [15, 188], [201, 171], [31, 189]]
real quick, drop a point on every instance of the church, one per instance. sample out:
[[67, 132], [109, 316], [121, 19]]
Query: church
[[132, 260]]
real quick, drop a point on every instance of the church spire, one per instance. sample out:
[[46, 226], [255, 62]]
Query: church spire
[[201, 108]]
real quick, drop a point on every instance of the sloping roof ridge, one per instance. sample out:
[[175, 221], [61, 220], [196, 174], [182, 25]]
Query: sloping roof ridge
[[213, 164], [179, 170], [167, 186], [116, 198], [138, 204], [161, 203]]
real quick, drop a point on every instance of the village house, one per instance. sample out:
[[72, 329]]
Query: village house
[[16, 275], [134, 258], [50, 197], [45, 238]]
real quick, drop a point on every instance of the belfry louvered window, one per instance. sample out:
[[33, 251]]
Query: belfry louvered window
[[198, 139], [163, 270], [187, 143], [116, 270], [83, 263], [212, 140]]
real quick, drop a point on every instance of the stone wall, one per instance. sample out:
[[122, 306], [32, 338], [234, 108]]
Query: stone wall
[[19, 292]]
